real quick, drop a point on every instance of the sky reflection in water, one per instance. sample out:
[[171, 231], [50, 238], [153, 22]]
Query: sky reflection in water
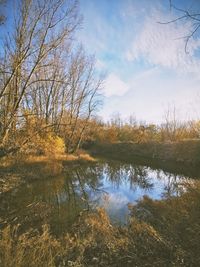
[[111, 184], [126, 184]]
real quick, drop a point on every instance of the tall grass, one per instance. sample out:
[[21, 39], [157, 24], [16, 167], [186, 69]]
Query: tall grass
[[28, 249], [167, 234]]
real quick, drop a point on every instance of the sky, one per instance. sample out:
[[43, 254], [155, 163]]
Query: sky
[[147, 68]]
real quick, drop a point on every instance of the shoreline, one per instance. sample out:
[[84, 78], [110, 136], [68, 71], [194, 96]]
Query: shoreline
[[14, 171], [180, 157]]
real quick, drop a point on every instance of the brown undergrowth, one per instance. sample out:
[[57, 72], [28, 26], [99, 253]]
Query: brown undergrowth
[[15, 170], [159, 233]]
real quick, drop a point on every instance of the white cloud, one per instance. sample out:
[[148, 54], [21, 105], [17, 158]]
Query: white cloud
[[148, 66], [150, 94], [115, 201], [115, 86], [163, 45]]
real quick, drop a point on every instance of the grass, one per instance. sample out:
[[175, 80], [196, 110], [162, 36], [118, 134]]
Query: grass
[[8, 181], [186, 151], [22, 159], [181, 157], [29, 249], [159, 233], [14, 170]]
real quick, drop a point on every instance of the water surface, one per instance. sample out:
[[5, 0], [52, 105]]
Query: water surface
[[109, 184]]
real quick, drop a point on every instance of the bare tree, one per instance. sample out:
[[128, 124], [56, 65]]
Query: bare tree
[[84, 92], [173, 129], [193, 16], [47, 82], [40, 28]]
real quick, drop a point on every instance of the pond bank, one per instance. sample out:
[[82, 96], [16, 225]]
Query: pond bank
[[94, 241], [36, 220], [183, 156], [15, 170]]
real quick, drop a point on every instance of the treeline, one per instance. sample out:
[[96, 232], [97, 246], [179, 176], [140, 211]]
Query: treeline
[[130, 130], [49, 88]]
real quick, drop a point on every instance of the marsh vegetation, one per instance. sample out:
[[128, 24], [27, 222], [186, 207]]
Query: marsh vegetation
[[138, 205], [101, 213]]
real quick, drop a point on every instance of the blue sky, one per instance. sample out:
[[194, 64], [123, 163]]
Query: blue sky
[[146, 64]]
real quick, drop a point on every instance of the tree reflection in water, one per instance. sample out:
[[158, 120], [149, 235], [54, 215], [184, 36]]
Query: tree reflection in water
[[59, 200]]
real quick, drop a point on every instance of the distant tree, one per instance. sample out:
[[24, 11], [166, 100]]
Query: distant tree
[[172, 129]]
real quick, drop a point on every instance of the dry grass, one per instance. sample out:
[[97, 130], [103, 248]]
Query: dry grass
[[94, 242], [29, 249], [21, 159], [168, 235], [86, 157], [187, 152], [9, 181], [15, 170], [160, 233]]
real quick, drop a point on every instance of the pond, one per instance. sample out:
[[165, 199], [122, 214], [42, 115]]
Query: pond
[[112, 185]]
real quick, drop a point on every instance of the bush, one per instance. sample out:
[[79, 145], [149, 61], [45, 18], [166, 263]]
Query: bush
[[45, 145]]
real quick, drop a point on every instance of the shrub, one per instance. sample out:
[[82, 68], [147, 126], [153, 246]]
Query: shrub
[[48, 144]]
